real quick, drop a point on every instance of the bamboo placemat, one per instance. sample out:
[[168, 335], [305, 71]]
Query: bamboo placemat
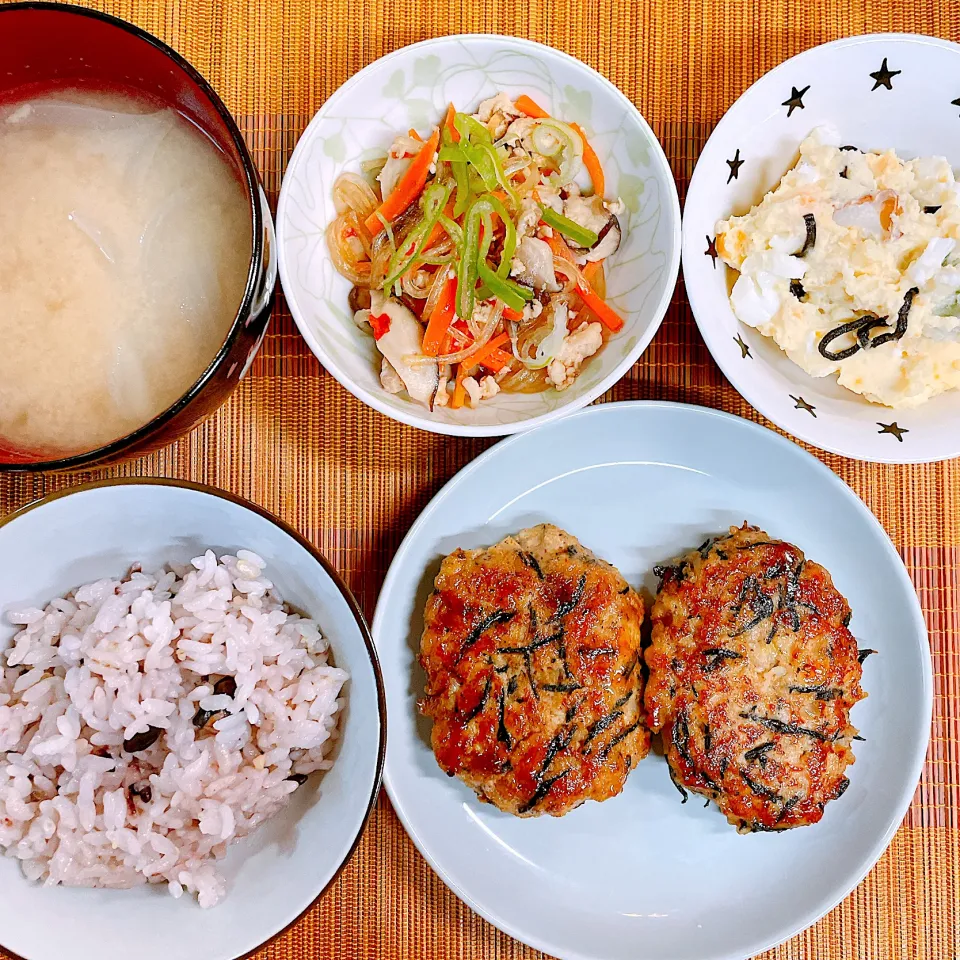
[[352, 481]]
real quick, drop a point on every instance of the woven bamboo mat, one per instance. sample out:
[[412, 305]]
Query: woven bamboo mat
[[352, 481]]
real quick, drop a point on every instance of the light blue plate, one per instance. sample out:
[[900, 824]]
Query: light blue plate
[[642, 877]]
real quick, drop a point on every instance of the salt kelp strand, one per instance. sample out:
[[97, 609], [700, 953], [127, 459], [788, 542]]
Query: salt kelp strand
[[868, 324], [810, 223], [758, 753], [820, 691], [568, 606], [853, 326], [862, 326], [717, 656], [486, 623], [529, 560], [903, 319]]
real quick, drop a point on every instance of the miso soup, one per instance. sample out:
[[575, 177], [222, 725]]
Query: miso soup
[[125, 244]]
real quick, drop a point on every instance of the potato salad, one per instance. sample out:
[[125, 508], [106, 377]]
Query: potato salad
[[852, 265]]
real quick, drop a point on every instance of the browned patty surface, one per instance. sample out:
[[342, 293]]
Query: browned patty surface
[[753, 672], [531, 649]]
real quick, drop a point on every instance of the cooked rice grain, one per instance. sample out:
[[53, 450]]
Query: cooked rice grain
[[116, 659]]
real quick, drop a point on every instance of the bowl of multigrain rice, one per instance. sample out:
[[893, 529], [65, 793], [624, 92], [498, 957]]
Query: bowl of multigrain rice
[[191, 724]]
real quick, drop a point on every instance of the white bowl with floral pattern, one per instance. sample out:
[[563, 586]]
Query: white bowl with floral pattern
[[412, 88]]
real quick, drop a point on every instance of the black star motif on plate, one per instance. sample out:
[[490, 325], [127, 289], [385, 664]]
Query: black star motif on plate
[[800, 404], [956, 102], [892, 428], [744, 347], [883, 76], [711, 250], [796, 100], [735, 164]]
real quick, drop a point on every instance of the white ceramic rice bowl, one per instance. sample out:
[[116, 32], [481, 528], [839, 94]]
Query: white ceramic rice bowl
[[277, 873]]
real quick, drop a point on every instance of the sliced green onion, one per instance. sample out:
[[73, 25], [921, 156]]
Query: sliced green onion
[[504, 290], [581, 236], [502, 179], [509, 238], [470, 129], [559, 138], [467, 270]]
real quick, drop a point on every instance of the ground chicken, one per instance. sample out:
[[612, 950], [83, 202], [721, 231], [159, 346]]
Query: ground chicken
[[478, 390], [496, 114], [584, 342], [528, 218]]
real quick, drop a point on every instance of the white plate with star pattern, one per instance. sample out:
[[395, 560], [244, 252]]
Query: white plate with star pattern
[[411, 88], [880, 91]]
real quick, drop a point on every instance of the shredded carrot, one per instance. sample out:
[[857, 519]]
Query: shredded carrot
[[438, 324], [559, 247], [459, 391], [502, 359], [414, 135], [485, 352], [530, 107], [887, 211], [510, 314], [408, 189], [592, 162], [604, 312], [594, 275], [449, 124], [497, 360]]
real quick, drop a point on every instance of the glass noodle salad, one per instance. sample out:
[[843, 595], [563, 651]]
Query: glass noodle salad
[[476, 260]]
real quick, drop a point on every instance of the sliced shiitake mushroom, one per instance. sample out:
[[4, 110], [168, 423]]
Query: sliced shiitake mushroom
[[590, 212], [608, 242], [359, 299]]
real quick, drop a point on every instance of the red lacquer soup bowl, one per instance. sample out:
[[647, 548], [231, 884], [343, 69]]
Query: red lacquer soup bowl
[[48, 45]]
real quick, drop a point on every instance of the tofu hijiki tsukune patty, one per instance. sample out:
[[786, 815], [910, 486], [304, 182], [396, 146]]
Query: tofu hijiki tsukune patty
[[753, 673], [531, 649]]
